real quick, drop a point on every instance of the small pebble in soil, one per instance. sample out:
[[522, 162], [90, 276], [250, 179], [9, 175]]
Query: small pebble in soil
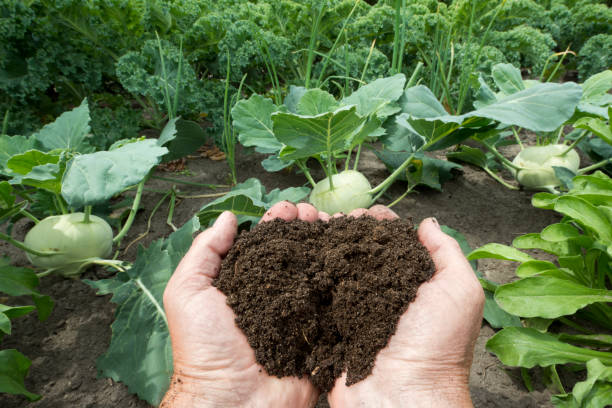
[[317, 299]]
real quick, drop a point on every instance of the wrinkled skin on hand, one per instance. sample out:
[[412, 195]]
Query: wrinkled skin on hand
[[426, 362]]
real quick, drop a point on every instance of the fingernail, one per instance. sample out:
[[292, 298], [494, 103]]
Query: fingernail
[[435, 222]]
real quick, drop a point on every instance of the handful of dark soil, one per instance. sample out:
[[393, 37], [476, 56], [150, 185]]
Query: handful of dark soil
[[320, 298]]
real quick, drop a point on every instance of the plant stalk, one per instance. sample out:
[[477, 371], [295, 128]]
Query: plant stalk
[[190, 183], [575, 142], [595, 166], [386, 183], [306, 172], [133, 211], [86, 219], [24, 247], [30, 216]]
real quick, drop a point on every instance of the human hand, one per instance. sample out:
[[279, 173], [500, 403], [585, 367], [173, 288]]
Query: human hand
[[213, 362], [427, 361]]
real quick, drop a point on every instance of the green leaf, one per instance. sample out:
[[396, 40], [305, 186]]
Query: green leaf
[[565, 176], [547, 296], [16, 281], [508, 78], [241, 205], [597, 126], [543, 107], [253, 121], [94, 178], [140, 353], [316, 101], [525, 347], [168, 133], [372, 98], [560, 232], [311, 135], [594, 392], [587, 215], [293, 98], [596, 87], [189, 137], [11, 146], [497, 317], [292, 194], [535, 241], [68, 132], [499, 251], [533, 267], [14, 367], [545, 201], [469, 155], [420, 102], [595, 188]]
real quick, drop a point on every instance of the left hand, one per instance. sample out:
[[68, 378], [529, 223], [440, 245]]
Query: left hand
[[213, 362]]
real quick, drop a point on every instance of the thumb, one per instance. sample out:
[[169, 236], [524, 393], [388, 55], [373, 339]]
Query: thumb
[[204, 257], [444, 250]]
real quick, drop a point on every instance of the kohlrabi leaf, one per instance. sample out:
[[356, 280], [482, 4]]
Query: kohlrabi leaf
[[508, 78], [274, 163], [11, 146], [316, 101], [248, 201], [372, 98], [15, 281], [526, 347], [140, 353], [594, 392], [188, 138], [68, 132], [419, 102], [543, 107], [96, 177], [37, 169], [253, 121], [484, 96], [293, 98], [565, 176], [499, 251], [400, 137], [14, 368], [597, 127], [595, 97], [168, 133], [432, 172], [547, 296], [311, 135]]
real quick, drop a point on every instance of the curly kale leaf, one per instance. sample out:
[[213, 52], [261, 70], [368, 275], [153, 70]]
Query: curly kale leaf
[[524, 46], [141, 73], [595, 56]]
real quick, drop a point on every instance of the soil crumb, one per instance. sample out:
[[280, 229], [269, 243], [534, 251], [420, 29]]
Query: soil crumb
[[320, 298]]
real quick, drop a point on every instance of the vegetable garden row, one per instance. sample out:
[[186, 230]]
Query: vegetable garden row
[[98, 96]]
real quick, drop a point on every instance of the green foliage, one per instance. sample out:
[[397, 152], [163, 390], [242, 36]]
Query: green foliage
[[576, 289], [524, 46], [596, 55]]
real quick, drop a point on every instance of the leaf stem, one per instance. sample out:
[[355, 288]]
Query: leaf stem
[[357, 156], [501, 157], [499, 179], [518, 139], [574, 325], [59, 202], [595, 166], [400, 198], [86, 219], [171, 206], [306, 172], [575, 142], [386, 183], [24, 247], [133, 211], [30, 216]]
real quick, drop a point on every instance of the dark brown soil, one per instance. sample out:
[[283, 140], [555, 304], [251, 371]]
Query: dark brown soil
[[320, 298]]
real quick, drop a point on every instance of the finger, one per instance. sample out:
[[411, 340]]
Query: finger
[[307, 212], [358, 212], [323, 216], [284, 210], [204, 256], [381, 212], [338, 215], [444, 250]]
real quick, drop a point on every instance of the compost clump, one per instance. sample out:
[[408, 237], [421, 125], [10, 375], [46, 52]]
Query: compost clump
[[320, 298]]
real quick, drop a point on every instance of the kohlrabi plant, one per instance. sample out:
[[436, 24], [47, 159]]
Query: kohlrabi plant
[[563, 301], [58, 166], [553, 160]]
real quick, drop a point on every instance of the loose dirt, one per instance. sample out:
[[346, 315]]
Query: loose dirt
[[64, 348], [316, 299]]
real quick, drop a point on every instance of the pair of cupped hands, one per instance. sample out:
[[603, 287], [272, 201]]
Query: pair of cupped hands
[[425, 364]]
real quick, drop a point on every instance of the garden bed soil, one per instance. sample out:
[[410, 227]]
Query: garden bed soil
[[317, 299], [64, 348]]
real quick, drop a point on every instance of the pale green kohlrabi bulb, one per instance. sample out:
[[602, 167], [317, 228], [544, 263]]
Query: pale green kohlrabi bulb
[[74, 240], [537, 164], [350, 192]]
